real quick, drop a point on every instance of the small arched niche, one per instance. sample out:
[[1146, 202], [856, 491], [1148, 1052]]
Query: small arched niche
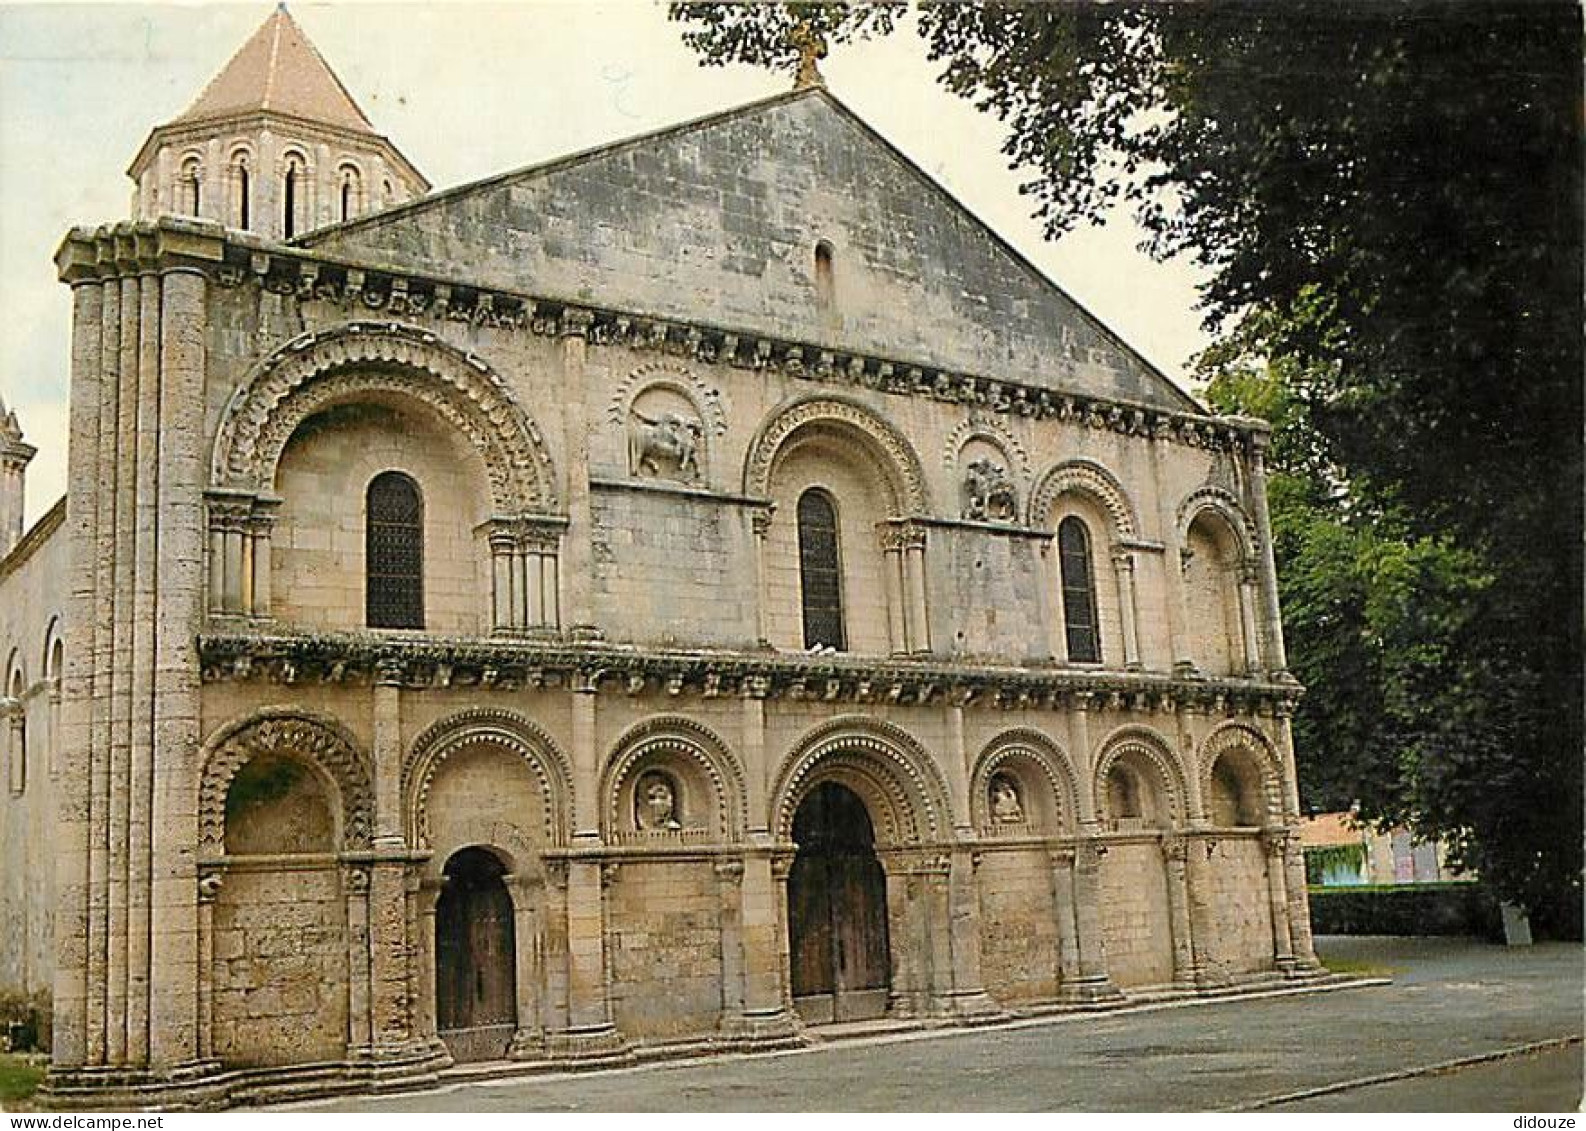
[[1237, 798], [664, 791], [1133, 797], [988, 490], [278, 805]]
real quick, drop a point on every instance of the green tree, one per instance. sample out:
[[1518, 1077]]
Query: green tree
[[1387, 197]]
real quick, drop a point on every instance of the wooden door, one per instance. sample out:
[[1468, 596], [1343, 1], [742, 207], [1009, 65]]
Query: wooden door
[[837, 910], [475, 959]]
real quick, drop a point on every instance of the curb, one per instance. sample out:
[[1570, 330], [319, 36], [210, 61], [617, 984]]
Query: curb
[[1549, 1045]]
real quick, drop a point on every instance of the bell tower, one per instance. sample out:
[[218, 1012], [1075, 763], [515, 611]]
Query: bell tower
[[274, 145]]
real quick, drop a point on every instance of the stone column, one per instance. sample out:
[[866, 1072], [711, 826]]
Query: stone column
[[426, 1028], [729, 926], [1062, 861], [908, 995], [1301, 942], [968, 998], [1275, 843], [355, 888], [1079, 743], [781, 864], [122, 662], [919, 634], [209, 885], [1123, 567], [1093, 983], [388, 950], [580, 540], [502, 618], [73, 794], [1277, 659], [1247, 620], [767, 1015], [1209, 969], [146, 522], [590, 1034], [760, 523], [1174, 850], [261, 524], [528, 1042], [106, 493], [895, 584], [183, 364]]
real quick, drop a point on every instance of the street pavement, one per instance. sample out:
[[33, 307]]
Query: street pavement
[[1450, 999]]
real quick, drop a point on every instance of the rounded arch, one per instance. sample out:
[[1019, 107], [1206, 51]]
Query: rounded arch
[[678, 739], [902, 475], [293, 732], [51, 660], [1228, 510], [679, 378], [1090, 479], [16, 679], [1142, 746], [1258, 755], [886, 766], [317, 370], [493, 726], [1032, 758]]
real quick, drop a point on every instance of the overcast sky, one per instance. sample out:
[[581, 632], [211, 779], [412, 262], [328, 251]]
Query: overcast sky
[[465, 90]]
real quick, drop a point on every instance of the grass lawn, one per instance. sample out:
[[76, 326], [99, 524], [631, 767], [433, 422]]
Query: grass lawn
[[19, 1078], [1355, 968]]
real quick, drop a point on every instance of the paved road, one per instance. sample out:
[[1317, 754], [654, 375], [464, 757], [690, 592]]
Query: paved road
[[1450, 999]]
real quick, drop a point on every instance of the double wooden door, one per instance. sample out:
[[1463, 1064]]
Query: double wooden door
[[837, 910], [475, 959]]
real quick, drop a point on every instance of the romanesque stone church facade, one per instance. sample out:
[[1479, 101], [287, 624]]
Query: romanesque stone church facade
[[666, 598]]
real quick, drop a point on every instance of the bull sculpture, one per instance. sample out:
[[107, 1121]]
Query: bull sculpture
[[665, 446]]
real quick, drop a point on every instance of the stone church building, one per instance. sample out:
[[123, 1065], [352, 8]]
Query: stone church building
[[664, 599]]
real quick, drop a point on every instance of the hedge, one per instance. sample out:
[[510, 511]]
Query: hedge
[[1406, 909]]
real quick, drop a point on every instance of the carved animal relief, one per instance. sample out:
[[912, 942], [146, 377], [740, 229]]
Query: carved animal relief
[[666, 446], [988, 493]]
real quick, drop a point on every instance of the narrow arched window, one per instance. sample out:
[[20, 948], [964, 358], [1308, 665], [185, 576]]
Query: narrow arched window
[[346, 201], [394, 552], [820, 571], [1079, 591], [242, 176], [289, 191], [192, 182], [825, 276]]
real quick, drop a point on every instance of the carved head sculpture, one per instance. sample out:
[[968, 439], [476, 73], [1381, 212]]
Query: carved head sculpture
[[655, 803], [1006, 808]]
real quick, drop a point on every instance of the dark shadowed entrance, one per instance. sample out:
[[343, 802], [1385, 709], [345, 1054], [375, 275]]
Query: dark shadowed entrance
[[475, 964], [837, 910]]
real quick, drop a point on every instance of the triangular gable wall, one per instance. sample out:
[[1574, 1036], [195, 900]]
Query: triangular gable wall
[[718, 220]]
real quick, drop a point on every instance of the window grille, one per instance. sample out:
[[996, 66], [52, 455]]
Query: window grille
[[820, 571], [394, 552], [1079, 591]]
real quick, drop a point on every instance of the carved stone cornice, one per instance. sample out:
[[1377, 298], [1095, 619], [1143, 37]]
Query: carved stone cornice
[[114, 251], [237, 258], [425, 661]]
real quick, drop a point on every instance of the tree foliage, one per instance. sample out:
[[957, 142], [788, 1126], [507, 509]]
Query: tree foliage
[[1387, 197]]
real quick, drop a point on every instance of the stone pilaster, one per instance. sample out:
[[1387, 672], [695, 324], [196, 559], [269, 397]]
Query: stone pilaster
[[578, 577], [767, 1018], [1272, 619], [1093, 983], [968, 998], [1275, 842]]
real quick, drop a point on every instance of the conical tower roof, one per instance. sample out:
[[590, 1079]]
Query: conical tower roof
[[278, 71]]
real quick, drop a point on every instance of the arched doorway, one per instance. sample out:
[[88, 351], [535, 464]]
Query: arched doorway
[[837, 910], [475, 958]]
